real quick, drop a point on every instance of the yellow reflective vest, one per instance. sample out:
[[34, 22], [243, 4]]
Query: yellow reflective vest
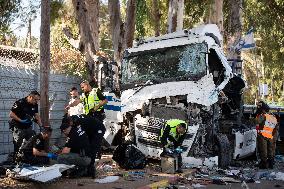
[[90, 101], [172, 123]]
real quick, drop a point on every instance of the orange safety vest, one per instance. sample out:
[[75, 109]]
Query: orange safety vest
[[269, 125]]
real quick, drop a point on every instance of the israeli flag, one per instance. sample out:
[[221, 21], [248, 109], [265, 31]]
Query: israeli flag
[[246, 42]]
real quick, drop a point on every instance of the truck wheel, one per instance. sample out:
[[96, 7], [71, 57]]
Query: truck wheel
[[223, 149]]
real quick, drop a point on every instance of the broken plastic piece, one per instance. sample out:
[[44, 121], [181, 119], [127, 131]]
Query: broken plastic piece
[[107, 179]]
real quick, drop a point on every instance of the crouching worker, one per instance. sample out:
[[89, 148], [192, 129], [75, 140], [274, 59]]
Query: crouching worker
[[95, 130], [77, 149], [172, 136], [35, 150]]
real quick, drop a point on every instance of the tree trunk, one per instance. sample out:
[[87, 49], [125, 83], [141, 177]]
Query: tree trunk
[[180, 13], [116, 29], [129, 26], [175, 15], [216, 14], [156, 17], [87, 17], [29, 35], [234, 31], [44, 61]]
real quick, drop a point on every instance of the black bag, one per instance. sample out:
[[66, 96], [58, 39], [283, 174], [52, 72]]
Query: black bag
[[129, 157]]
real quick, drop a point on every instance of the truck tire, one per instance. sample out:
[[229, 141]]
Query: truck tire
[[223, 149]]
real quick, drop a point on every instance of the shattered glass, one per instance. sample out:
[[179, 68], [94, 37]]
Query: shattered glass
[[180, 62]]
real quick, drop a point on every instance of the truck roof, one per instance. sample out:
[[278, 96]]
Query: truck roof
[[208, 33]]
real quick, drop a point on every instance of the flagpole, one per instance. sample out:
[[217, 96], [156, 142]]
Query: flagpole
[[256, 69]]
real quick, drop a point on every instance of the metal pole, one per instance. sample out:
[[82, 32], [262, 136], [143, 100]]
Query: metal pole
[[256, 69]]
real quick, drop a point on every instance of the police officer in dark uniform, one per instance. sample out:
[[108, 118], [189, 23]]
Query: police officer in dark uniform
[[77, 147], [35, 150], [95, 131], [172, 136], [22, 112]]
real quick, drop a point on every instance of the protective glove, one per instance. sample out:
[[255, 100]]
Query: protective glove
[[26, 121], [52, 156], [178, 150], [168, 150]]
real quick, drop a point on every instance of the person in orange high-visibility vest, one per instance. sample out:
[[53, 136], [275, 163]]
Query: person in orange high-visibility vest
[[266, 135]]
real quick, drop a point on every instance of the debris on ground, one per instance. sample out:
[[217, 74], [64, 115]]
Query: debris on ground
[[107, 179], [11, 183], [35, 173], [133, 175], [109, 172]]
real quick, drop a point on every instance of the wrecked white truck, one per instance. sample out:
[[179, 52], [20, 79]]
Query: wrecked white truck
[[182, 75]]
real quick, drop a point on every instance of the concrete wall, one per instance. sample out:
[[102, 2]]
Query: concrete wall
[[16, 83]]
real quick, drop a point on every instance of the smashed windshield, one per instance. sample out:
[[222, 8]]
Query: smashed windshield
[[180, 62]]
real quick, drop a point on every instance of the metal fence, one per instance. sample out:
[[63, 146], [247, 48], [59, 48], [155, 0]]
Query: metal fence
[[16, 82]]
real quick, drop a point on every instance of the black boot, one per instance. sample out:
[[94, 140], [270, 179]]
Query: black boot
[[270, 163], [92, 171]]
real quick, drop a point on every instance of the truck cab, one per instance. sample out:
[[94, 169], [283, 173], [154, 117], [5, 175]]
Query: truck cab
[[183, 75]]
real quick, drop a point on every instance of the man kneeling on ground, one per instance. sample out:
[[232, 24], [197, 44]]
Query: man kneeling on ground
[[77, 149], [35, 150]]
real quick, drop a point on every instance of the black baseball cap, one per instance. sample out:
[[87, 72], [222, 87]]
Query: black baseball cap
[[64, 126]]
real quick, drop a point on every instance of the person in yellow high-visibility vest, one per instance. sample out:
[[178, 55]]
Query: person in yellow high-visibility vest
[[266, 135], [172, 136], [93, 101]]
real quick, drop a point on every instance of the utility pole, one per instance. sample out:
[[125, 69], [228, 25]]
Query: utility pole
[[44, 61]]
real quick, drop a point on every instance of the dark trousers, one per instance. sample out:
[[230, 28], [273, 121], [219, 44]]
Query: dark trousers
[[74, 159], [19, 135], [99, 115], [29, 158], [96, 145], [266, 148]]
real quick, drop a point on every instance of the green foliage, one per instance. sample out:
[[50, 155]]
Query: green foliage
[[104, 35], [195, 12], [56, 7], [64, 57], [7, 10], [142, 12], [266, 16]]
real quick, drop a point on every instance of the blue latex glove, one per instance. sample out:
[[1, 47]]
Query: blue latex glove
[[168, 150], [52, 156], [178, 150], [26, 121]]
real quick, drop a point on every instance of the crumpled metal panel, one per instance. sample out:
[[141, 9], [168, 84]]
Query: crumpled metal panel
[[40, 174], [200, 92]]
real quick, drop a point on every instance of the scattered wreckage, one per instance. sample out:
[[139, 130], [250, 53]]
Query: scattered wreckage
[[36, 173], [183, 75]]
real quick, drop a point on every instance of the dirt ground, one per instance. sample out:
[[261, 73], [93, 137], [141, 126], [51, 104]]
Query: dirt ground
[[150, 177]]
